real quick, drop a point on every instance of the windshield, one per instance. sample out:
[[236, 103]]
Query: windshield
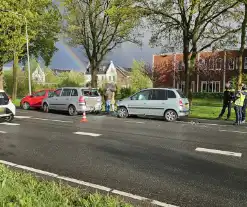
[[181, 94]]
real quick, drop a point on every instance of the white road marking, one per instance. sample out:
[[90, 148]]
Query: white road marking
[[241, 132], [23, 117], [54, 120], [10, 124], [214, 151], [135, 122], [83, 183], [87, 134], [3, 132]]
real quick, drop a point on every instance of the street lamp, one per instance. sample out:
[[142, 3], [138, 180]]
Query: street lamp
[[27, 43]]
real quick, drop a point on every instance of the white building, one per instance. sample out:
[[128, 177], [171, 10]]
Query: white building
[[38, 75]]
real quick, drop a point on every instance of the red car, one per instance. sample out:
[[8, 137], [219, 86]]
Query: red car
[[35, 100]]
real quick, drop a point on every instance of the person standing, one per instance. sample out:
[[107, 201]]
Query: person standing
[[239, 102], [113, 101], [244, 88], [108, 97], [227, 102]]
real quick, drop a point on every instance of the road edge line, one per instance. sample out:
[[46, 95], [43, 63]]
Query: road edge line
[[83, 183]]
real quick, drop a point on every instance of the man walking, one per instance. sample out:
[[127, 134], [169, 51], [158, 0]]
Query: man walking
[[244, 88], [108, 97], [227, 102]]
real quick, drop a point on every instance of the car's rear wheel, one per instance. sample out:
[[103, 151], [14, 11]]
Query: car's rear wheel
[[123, 112], [171, 115], [26, 106], [45, 108], [72, 110], [9, 118]]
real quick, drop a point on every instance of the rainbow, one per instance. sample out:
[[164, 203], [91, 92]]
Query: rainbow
[[73, 56]]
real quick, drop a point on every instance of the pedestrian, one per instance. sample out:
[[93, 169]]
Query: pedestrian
[[113, 101], [227, 101], [108, 97], [239, 102], [244, 88]]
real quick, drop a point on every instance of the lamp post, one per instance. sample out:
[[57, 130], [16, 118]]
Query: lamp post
[[27, 44]]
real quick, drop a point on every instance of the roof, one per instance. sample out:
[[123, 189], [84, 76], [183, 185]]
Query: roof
[[124, 71], [101, 70]]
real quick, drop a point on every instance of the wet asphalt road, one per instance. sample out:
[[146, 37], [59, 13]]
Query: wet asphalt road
[[149, 158]]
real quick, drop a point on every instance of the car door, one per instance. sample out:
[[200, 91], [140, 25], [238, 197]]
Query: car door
[[37, 98], [64, 99], [54, 100], [158, 102], [138, 103]]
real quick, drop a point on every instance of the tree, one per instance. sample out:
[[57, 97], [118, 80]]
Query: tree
[[199, 24], [42, 19], [99, 27], [139, 77], [72, 78]]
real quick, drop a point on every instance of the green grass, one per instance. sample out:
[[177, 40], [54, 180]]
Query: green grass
[[22, 189], [208, 109], [16, 102]]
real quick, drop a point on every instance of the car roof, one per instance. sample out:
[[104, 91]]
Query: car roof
[[1, 90], [77, 88], [160, 88]]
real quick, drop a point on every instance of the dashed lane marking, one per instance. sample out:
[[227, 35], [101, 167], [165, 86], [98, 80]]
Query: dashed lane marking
[[3, 132], [241, 132], [23, 117], [87, 134], [214, 151], [42, 119], [135, 122], [10, 124], [83, 183]]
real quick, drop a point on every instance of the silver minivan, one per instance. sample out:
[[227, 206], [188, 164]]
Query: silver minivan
[[163, 102], [74, 100]]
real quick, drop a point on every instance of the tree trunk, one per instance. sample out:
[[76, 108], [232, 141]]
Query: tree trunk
[[94, 78], [1, 76], [241, 51], [186, 63], [191, 69], [15, 68]]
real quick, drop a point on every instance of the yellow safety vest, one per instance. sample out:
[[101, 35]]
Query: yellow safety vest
[[240, 100]]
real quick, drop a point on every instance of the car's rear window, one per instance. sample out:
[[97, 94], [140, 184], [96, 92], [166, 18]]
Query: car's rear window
[[90, 92], [4, 99], [181, 94]]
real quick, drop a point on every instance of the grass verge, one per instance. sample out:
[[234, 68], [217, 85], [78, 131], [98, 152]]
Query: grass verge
[[23, 189], [208, 109], [16, 102]]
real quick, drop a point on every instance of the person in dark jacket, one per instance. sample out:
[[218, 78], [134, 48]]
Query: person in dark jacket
[[244, 88], [227, 102]]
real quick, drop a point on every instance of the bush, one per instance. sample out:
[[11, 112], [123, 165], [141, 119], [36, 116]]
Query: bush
[[208, 95]]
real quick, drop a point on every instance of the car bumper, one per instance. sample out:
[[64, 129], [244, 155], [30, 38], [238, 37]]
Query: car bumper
[[97, 107], [11, 108], [183, 113]]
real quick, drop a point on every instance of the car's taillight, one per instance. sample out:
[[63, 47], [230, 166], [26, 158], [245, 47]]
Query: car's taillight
[[98, 99], [181, 102], [82, 99]]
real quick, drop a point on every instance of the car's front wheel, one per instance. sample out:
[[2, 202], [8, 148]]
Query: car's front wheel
[[45, 108], [123, 112], [171, 115]]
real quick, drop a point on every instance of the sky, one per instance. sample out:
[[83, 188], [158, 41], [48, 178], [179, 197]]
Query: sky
[[73, 58]]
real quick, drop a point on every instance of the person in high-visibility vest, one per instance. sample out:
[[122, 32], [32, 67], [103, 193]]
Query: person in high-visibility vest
[[244, 88], [239, 103]]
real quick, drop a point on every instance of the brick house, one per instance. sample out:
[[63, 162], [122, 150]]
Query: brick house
[[212, 71]]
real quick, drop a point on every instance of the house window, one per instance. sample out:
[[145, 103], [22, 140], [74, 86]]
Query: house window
[[114, 78], [202, 64], [218, 64], [109, 78], [245, 63], [181, 85], [212, 86], [211, 64], [231, 64], [236, 62], [102, 78], [193, 86]]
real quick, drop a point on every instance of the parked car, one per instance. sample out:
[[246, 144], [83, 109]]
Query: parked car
[[7, 108], [35, 100], [74, 100], [163, 102]]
